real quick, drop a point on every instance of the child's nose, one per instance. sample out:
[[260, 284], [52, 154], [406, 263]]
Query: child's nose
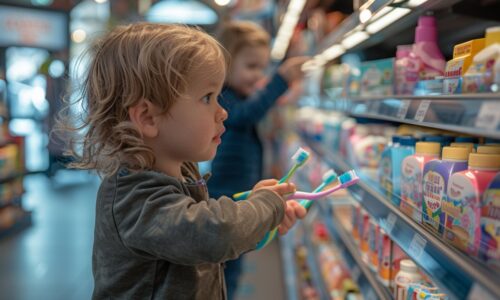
[[222, 116]]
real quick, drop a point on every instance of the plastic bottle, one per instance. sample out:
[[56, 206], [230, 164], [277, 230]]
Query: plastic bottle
[[390, 162], [456, 68], [426, 50], [465, 192], [373, 245], [407, 275], [384, 258], [436, 176], [411, 178], [470, 146], [364, 234], [489, 249], [404, 81], [484, 73], [488, 149]]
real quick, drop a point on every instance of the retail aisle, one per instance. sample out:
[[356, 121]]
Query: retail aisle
[[52, 258], [262, 275]]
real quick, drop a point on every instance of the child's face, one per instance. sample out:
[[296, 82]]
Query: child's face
[[192, 128], [247, 68]]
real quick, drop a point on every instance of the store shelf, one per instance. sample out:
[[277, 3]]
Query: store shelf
[[22, 222], [312, 262], [403, 23], [289, 266], [476, 114], [370, 287], [459, 275]]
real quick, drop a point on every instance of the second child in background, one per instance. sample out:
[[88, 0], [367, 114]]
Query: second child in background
[[238, 163]]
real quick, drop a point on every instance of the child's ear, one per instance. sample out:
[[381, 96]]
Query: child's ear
[[143, 115]]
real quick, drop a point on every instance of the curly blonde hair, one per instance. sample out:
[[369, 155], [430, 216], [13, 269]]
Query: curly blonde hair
[[134, 62]]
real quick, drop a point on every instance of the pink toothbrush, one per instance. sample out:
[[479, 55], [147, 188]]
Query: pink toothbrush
[[347, 179]]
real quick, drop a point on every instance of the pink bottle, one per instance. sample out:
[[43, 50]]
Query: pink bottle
[[426, 50], [412, 170], [465, 191], [405, 75]]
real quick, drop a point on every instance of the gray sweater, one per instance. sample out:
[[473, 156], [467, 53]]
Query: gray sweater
[[159, 238]]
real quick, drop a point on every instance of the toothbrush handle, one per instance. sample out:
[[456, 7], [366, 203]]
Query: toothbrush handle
[[289, 174], [242, 195], [271, 235], [307, 203], [315, 196]]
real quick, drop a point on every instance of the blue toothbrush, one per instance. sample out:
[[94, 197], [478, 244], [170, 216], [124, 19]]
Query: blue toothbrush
[[300, 157], [347, 179], [329, 177]]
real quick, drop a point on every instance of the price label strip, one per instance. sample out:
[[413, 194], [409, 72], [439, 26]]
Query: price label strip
[[387, 224], [403, 109], [489, 115], [417, 246], [422, 110]]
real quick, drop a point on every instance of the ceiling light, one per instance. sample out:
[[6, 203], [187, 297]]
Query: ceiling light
[[386, 20], [365, 15], [381, 13], [222, 2], [415, 3], [333, 52], [354, 39], [78, 35]]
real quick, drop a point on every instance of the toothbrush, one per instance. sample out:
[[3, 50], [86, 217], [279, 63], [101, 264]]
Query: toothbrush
[[300, 157], [329, 177], [347, 179]]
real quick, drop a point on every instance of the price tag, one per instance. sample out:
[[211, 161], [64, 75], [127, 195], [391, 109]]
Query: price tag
[[489, 115], [391, 221], [422, 110], [417, 246], [479, 292], [403, 109]]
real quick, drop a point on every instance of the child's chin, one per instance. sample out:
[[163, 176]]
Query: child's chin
[[209, 156]]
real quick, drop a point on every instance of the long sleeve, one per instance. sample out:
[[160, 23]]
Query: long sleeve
[[158, 220], [255, 107]]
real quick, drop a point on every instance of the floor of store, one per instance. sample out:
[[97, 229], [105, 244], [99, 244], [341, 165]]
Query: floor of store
[[52, 258]]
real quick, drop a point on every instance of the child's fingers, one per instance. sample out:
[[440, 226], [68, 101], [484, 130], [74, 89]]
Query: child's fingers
[[282, 230], [264, 183], [299, 210], [289, 219], [284, 188]]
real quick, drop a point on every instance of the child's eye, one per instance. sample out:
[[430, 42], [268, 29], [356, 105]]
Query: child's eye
[[207, 98]]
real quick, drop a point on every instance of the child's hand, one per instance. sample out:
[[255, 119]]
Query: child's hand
[[282, 189], [291, 69], [293, 211]]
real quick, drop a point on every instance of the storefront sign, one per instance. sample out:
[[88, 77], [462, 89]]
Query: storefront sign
[[33, 28]]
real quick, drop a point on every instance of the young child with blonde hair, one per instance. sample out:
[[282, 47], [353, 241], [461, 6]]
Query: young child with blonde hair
[[238, 163], [151, 112]]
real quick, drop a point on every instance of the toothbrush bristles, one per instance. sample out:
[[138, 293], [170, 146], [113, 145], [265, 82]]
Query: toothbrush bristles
[[329, 176], [347, 176], [300, 156]]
